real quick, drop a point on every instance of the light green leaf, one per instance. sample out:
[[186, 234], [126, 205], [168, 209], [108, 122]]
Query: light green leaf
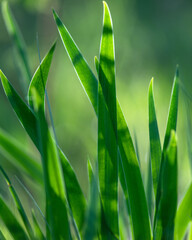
[[18, 205], [14, 227], [2, 236], [164, 228], [107, 146], [184, 215], [129, 167], [155, 144], [18, 40], [171, 125], [21, 158], [39, 78], [53, 177]]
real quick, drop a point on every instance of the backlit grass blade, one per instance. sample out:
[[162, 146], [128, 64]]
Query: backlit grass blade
[[149, 189], [18, 41], [164, 228], [89, 82], [18, 205], [21, 158], [190, 233], [129, 168], [39, 78], [27, 118], [171, 125], [184, 215], [10, 221], [155, 144], [38, 233], [107, 146], [53, 177]]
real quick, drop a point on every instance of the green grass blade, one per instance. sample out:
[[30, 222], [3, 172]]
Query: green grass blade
[[11, 222], [184, 215], [39, 78], [89, 82], [24, 113], [149, 189], [21, 158], [18, 205], [28, 119], [129, 168], [38, 233], [53, 176], [2, 236], [190, 233], [155, 144], [92, 220], [107, 146], [171, 125], [164, 228], [17, 38]]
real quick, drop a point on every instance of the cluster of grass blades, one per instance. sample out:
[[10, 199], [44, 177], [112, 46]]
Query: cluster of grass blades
[[68, 214]]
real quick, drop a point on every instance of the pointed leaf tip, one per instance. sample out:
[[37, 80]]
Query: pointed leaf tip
[[177, 71]]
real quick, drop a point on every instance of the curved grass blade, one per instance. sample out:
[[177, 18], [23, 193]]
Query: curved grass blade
[[155, 144], [28, 119], [129, 168], [164, 228], [18, 205], [184, 215], [107, 146], [38, 233], [39, 78], [171, 125], [18, 40], [22, 159], [53, 177], [11, 222]]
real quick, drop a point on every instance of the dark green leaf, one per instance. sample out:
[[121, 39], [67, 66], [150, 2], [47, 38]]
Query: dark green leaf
[[155, 144]]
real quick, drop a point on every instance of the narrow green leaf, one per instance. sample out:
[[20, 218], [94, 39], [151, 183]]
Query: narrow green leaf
[[171, 125], [129, 168], [155, 144], [107, 146], [149, 189], [92, 220], [190, 233], [17, 38], [81, 67], [24, 113], [53, 177], [21, 158], [184, 215], [18, 205], [38, 233], [164, 228], [14, 227], [39, 78]]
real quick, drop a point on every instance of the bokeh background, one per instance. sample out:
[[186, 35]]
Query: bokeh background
[[151, 38]]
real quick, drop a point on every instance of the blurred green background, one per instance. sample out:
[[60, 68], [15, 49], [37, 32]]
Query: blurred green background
[[151, 37]]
